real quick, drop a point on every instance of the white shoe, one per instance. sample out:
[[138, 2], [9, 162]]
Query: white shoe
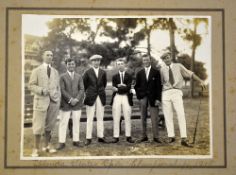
[[49, 149], [35, 153]]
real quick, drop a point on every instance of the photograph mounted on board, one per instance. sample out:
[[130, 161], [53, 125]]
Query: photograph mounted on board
[[116, 87]]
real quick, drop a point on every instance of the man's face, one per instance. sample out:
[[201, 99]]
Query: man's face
[[47, 57], [96, 63], [121, 65], [70, 66], [146, 61], [167, 60]]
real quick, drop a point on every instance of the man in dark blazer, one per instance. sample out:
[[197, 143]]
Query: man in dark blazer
[[95, 81], [148, 90], [122, 100], [72, 90]]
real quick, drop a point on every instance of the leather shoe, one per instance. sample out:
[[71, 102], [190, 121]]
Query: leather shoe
[[77, 144], [170, 140], [61, 146], [130, 140], [143, 139], [157, 140], [115, 140], [185, 143], [88, 142], [103, 140]]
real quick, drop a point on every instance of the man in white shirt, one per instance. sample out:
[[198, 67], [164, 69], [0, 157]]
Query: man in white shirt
[[122, 101], [172, 80], [72, 90], [44, 83], [95, 81]]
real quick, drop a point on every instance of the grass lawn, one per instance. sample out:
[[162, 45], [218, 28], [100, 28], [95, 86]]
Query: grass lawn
[[122, 148]]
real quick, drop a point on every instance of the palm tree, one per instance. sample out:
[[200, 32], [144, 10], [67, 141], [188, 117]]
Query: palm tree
[[192, 36]]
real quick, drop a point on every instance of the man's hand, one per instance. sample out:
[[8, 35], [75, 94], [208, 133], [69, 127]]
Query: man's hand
[[114, 89], [203, 85], [157, 103], [74, 101], [45, 92], [133, 91]]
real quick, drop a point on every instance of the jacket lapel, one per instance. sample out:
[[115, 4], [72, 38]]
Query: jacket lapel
[[144, 74], [99, 74], [150, 74], [93, 73], [43, 71]]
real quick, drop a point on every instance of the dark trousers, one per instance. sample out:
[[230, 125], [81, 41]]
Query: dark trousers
[[154, 113]]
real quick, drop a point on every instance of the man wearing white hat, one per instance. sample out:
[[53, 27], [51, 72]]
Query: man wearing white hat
[[95, 81]]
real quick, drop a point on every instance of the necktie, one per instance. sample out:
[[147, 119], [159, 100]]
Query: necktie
[[48, 71], [122, 78], [171, 76]]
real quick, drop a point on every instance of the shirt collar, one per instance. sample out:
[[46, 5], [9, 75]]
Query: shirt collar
[[148, 68], [95, 68], [70, 73], [46, 65], [121, 72]]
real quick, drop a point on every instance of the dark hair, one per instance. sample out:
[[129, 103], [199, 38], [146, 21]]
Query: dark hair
[[68, 60], [146, 55], [120, 59]]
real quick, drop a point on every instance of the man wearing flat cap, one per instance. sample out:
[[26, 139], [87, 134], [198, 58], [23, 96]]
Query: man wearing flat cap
[[95, 81], [172, 80]]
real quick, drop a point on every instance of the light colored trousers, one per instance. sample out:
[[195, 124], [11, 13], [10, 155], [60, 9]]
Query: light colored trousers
[[45, 120], [63, 124], [121, 103], [173, 98], [90, 111]]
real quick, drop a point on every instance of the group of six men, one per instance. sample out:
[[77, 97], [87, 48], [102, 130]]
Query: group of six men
[[71, 91]]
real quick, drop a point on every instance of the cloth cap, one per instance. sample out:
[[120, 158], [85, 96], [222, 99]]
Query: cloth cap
[[95, 57], [165, 54]]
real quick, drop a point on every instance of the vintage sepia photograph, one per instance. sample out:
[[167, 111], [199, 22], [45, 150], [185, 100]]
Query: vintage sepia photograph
[[112, 87]]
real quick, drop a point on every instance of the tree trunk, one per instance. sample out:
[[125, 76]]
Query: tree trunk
[[148, 32], [172, 39]]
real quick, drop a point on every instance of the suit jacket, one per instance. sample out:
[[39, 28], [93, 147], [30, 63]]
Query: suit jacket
[[122, 90], [38, 81], [94, 86], [151, 88], [71, 89]]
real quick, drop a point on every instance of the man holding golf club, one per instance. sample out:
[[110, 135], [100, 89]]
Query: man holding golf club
[[173, 75]]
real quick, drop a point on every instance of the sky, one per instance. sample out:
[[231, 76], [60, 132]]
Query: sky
[[37, 25]]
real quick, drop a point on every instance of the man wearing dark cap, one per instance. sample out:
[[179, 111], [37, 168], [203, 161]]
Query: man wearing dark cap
[[95, 81], [172, 79]]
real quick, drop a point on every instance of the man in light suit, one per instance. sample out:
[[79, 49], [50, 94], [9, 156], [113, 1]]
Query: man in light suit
[[173, 75], [148, 89], [44, 83], [95, 81], [72, 91], [122, 100]]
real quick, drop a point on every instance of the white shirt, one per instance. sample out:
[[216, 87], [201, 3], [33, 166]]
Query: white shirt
[[122, 74], [46, 65], [179, 73], [147, 70], [96, 71], [71, 74]]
